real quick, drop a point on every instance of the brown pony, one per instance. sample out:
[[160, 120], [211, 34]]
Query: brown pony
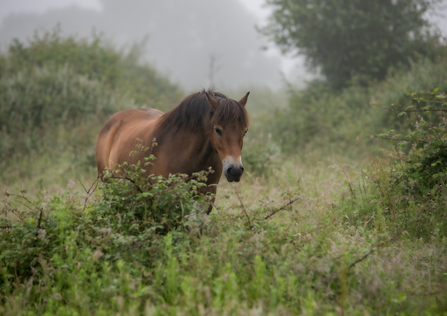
[[205, 130]]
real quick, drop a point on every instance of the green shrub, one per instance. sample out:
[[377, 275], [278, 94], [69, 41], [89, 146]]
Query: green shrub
[[58, 234], [33, 104], [318, 117], [409, 188], [260, 155], [96, 59], [424, 167], [56, 92], [155, 201]]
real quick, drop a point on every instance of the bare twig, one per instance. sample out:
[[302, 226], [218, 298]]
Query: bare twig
[[282, 207], [79, 179], [443, 291], [28, 204], [392, 138], [134, 247], [352, 265], [124, 178], [40, 219], [243, 207], [31, 208], [16, 214], [90, 191], [415, 110]]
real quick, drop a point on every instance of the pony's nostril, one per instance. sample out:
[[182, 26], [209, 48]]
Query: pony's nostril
[[236, 171]]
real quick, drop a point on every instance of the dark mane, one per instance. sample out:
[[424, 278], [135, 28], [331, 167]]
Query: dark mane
[[194, 112]]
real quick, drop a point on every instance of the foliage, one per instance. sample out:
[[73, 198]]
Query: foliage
[[95, 59], [65, 256], [157, 202], [350, 38], [35, 104], [56, 92], [424, 166], [319, 237], [417, 172], [318, 118], [260, 155], [49, 243]]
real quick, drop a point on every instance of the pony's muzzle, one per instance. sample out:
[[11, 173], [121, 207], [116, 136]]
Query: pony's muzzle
[[234, 173], [233, 169]]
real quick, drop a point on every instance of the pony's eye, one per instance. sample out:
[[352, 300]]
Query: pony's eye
[[218, 131], [245, 132]]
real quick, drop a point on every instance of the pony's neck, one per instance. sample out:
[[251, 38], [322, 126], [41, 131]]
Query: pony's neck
[[199, 145], [194, 147]]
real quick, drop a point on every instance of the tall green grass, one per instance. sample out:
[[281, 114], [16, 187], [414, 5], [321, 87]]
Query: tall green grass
[[319, 255]]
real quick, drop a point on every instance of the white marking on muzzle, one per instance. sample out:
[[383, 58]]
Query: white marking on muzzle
[[230, 162]]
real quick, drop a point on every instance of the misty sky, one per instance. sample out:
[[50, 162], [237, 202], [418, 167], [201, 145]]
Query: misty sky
[[184, 37], [194, 42]]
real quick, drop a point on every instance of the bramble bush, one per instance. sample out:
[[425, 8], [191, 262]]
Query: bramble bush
[[158, 203], [413, 185], [424, 166], [45, 246], [318, 118]]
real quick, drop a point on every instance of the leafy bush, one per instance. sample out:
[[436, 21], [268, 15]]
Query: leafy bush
[[55, 94], [318, 117], [260, 155], [251, 257], [424, 167], [156, 202], [32, 104], [408, 191], [56, 233], [95, 59]]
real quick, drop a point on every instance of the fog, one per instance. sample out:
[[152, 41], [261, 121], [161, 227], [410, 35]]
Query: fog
[[197, 43]]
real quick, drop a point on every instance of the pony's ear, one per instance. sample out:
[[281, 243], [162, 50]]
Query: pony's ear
[[243, 101], [213, 102]]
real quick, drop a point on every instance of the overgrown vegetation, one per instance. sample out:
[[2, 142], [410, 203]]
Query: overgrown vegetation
[[417, 174], [303, 233], [56, 92], [312, 250], [51, 245], [316, 117]]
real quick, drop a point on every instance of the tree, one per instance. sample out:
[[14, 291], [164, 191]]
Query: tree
[[346, 38]]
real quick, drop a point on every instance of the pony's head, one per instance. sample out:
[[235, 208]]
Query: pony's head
[[227, 125]]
